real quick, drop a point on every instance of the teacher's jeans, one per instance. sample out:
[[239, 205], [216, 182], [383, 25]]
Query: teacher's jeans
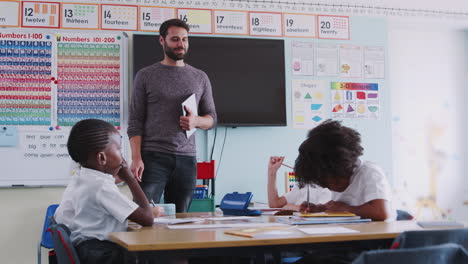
[[175, 175]]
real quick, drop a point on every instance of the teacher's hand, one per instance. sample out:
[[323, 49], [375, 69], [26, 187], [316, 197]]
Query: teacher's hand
[[137, 168], [189, 121]]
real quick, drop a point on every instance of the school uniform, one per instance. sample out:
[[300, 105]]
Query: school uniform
[[367, 183], [92, 207], [317, 195]]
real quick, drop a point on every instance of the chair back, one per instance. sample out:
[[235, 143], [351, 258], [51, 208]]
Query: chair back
[[46, 238], [412, 239], [403, 215], [64, 249], [440, 254]]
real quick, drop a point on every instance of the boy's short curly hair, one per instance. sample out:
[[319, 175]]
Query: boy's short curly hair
[[331, 150]]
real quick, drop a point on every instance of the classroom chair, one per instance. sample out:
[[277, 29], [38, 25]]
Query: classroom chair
[[64, 249], [439, 254], [403, 215], [46, 237], [413, 239]]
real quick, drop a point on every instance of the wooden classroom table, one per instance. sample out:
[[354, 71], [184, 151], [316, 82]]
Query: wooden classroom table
[[213, 242]]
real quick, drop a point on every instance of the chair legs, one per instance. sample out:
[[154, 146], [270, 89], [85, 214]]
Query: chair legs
[[39, 256]]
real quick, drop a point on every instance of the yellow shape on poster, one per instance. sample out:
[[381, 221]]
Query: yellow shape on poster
[[318, 95], [299, 119], [361, 109], [300, 106], [337, 96]]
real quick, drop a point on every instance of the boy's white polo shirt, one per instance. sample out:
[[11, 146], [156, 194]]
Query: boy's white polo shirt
[[97, 206]]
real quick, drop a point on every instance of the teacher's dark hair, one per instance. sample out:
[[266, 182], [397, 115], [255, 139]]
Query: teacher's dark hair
[[175, 22], [88, 136]]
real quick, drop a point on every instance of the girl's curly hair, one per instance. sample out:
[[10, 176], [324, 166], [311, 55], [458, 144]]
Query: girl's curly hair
[[331, 150]]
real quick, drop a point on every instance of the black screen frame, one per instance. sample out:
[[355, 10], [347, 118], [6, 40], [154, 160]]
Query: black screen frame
[[147, 51]]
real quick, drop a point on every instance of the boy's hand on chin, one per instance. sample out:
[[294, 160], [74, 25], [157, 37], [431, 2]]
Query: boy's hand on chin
[[125, 174]]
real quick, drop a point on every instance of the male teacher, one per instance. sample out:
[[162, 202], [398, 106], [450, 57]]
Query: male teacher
[[163, 158]]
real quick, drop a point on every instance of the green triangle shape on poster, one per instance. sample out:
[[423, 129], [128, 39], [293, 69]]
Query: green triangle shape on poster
[[308, 96]]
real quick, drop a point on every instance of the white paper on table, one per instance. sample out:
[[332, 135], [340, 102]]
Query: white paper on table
[[174, 221], [225, 225], [225, 218], [327, 230], [191, 103]]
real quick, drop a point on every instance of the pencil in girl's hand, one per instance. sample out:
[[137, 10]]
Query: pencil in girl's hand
[[287, 166]]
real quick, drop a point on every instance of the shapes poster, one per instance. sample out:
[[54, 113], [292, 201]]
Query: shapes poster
[[308, 100], [355, 100]]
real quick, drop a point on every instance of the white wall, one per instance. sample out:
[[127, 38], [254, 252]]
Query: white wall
[[426, 64]]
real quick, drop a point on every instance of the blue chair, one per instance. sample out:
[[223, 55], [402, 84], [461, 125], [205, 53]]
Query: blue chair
[[64, 249], [403, 215], [412, 239], [46, 237], [440, 254]]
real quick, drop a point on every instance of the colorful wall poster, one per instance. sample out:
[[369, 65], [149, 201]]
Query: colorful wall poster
[[355, 100], [299, 25], [302, 58], [119, 17], [326, 62], [308, 100], [25, 79], [199, 20], [40, 14], [9, 13], [350, 61], [230, 22], [265, 24], [374, 62], [152, 17], [80, 16], [333, 27], [89, 78]]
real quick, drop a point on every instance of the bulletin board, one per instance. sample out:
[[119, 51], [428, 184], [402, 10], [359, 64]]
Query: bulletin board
[[49, 80]]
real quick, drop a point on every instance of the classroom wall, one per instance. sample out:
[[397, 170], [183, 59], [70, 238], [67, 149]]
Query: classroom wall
[[427, 77]]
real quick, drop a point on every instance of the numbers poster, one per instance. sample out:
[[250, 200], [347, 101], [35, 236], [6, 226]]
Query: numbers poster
[[57, 79]]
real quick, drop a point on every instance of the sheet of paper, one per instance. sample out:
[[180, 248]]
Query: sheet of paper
[[191, 103], [429, 224], [324, 214], [314, 221], [224, 225], [327, 230], [8, 136], [223, 218], [174, 221], [262, 231]]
